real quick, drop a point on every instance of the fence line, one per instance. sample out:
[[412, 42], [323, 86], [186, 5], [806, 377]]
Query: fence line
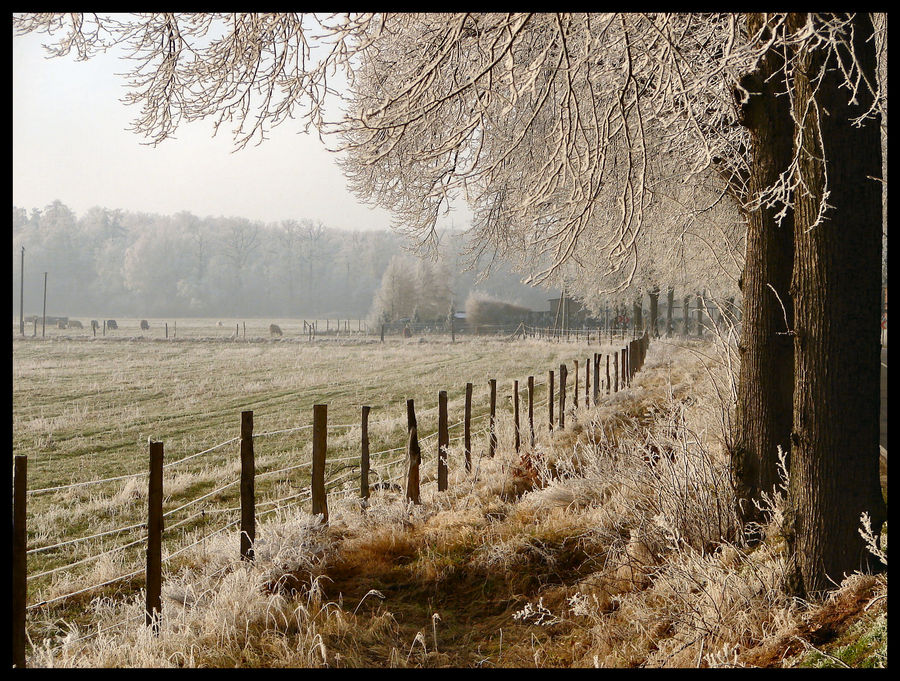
[[632, 355]]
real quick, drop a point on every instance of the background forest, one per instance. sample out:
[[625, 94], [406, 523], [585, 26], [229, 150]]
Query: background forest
[[114, 262]]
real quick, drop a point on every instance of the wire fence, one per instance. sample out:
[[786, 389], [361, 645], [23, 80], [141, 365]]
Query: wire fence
[[343, 470]]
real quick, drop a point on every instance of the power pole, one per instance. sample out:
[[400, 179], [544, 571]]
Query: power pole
[[22, 294], [44, 316]]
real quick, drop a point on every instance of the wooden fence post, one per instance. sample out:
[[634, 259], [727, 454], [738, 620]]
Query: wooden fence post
[[413, 454], [382, 333], [19, 560], [516, 413], [575, 395], [319, 450], [248, 487], [167, 329], [492, 437], [531, 408], [467, 429], [551, 395], [587, 383], [443, 441], [607, 374], [616, 370], [596, 378], [364, 455], [153, 604], [563, 373]]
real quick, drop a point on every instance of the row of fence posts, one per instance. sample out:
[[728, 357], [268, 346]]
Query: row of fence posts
[[632, 360], [311, 329]]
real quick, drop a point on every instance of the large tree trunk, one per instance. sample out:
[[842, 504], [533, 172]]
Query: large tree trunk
[[765, 381], [836, 286]]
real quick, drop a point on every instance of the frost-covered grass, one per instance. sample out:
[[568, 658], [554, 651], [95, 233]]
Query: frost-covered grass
[[609, 544], [83, 410]]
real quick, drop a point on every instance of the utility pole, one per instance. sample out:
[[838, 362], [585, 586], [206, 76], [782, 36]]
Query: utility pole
[[44, 316], [22, 294]]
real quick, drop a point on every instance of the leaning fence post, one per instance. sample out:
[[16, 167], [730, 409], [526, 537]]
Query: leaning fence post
[[153, 604], [19, 560], [319, 449], [364, 455], [531, 408], [443, 441], [248, 486], [563, 373], [516, 413], [492, 437], [413, 454]]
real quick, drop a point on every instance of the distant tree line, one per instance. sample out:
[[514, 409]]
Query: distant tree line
[[114, 262]]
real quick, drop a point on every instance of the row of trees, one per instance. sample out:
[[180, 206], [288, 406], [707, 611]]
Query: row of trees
[[566, 134], [114, 262]]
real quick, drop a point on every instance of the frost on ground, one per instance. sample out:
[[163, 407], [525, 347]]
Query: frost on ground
[[612, 543]]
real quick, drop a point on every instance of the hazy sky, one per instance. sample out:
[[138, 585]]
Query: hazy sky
[[70, 143]]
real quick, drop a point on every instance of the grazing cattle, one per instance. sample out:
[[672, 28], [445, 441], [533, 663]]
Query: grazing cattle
[[111, 324], [275, 330], [75, 324], [61, 323], [219, 324], [95, 324], [145, 326]]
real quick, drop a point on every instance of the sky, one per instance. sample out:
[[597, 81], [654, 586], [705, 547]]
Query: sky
[[70, 142]]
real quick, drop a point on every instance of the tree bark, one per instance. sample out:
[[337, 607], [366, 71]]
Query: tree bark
[[765, 380], [834, 472]]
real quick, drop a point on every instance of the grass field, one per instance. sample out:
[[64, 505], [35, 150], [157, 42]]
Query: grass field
[[84, 409], [590, 549]]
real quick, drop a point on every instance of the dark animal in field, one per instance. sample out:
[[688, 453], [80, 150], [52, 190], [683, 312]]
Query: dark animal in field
[[61, 324], [95, 324], [111, 324], [219, 324], [145, 326], [275, 330], [75, 324]]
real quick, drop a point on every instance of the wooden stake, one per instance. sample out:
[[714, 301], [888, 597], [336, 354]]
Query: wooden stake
[[319, 451], [153, 604], [413, 454], [563, 373], [248, 487], [492, 437], [467, 428], [443, 441], [516, 413], [19, 562], [364, 455], [551, 395], [531, 408]]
